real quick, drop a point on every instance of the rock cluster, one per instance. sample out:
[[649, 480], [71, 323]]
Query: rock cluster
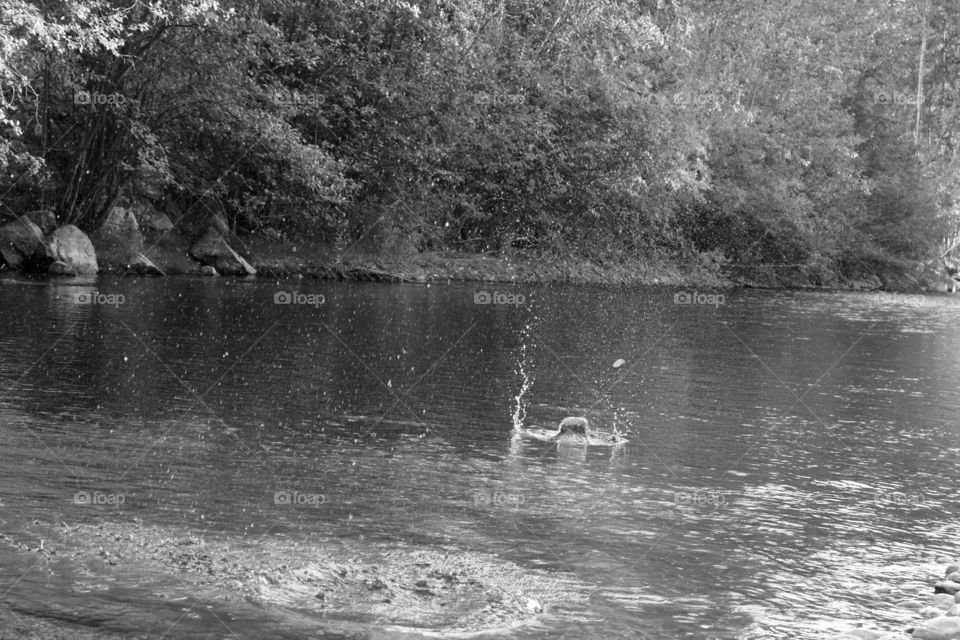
[[33, 243], [943, 614], [66, 250], [119, 244]]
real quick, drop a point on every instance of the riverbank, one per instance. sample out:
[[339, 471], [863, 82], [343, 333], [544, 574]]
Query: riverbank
[[308, 259], [143, 241], [311, 259]]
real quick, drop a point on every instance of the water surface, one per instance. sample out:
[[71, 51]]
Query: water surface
[[786, 475]]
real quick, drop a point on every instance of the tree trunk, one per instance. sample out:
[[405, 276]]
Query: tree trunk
[[923, 51]]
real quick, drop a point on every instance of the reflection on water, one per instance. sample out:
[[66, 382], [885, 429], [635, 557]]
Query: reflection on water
[[783, 476]]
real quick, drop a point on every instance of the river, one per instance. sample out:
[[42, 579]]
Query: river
[[787, 472]]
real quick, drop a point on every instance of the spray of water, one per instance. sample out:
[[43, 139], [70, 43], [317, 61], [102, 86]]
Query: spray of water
[[526, 381], [619, 362], [616, 423]]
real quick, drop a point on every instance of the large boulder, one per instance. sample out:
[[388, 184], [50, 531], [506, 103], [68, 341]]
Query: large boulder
[[118, 242], [121, 224], [940, 628], [212, 250], [72, 247], [152, 221], [19, 240], [43, 218], [142, 265]]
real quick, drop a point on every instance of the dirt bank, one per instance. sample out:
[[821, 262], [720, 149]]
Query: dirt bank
[[304, 258], [280, 259]]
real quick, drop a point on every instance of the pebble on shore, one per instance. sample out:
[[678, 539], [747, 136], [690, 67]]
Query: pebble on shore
[[946, 624], [940, 615]]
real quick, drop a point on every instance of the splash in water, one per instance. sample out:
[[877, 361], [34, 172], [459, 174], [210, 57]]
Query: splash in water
[[617, 433], [619, 362], [526, 381]]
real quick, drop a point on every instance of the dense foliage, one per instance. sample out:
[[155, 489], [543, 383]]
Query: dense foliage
[[800, 132]]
